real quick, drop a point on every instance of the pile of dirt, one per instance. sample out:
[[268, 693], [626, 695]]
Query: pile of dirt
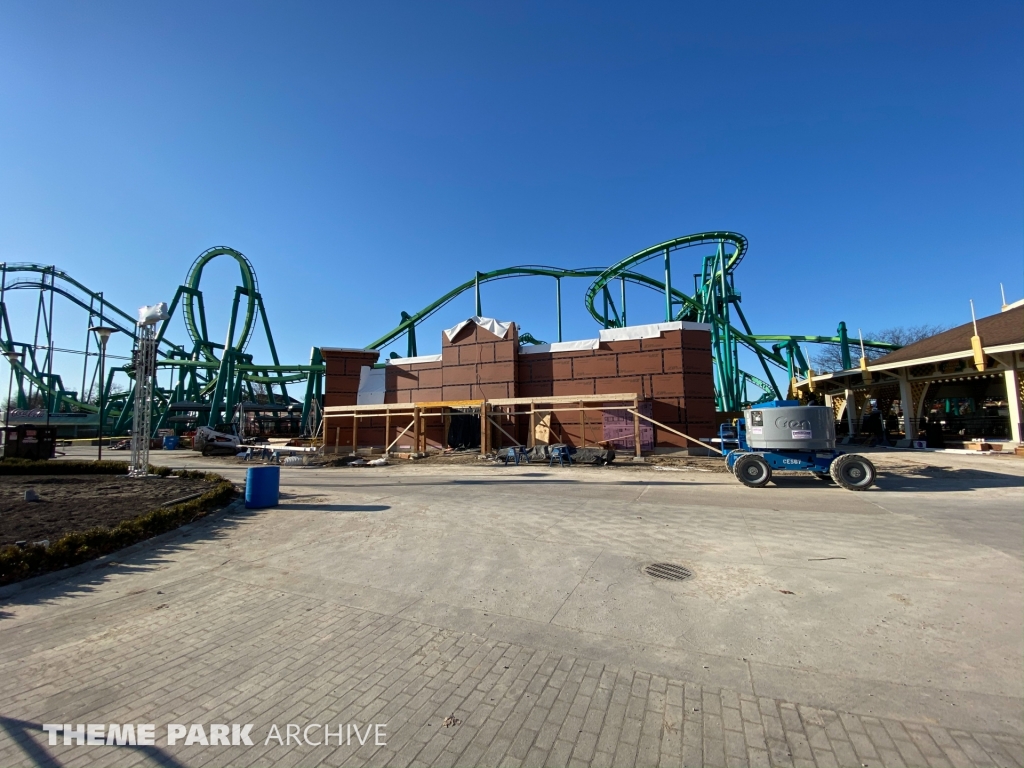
[[75, 503]]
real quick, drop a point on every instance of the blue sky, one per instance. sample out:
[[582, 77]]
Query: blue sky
[[367, 157]]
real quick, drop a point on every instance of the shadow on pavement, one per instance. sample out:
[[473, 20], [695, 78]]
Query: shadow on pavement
[[337, 507], [932, 479], [25, 735], [149, 557]]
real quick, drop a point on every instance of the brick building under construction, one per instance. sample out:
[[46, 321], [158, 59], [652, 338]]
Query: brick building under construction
[[655, 380]]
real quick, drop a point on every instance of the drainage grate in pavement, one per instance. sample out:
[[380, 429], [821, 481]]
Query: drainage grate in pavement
[[668, 571]]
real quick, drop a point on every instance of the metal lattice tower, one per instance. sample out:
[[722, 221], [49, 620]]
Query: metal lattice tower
[[145, 372]]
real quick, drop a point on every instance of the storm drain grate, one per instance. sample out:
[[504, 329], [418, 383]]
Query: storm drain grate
[[668, 571]]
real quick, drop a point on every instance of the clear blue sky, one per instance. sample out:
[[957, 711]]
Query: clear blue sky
[[369, 156]]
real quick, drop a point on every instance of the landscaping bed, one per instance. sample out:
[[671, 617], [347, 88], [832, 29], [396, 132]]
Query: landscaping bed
[[89, 509], [75, 503]]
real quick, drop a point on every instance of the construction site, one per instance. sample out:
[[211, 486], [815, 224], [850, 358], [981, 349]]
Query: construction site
[[637, 548], [672, 380]]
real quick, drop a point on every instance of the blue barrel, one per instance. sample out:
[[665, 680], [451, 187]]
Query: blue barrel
[[261, 486], [171, 443]]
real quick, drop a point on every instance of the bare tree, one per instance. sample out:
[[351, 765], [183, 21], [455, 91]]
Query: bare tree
[[830, 358], [260, 390], [34, 401]]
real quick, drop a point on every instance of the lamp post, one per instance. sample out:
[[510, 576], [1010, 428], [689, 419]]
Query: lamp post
[[103, 332], [12, 358]]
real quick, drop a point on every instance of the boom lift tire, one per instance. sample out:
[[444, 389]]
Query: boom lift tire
[[853, 472], [753, 471]]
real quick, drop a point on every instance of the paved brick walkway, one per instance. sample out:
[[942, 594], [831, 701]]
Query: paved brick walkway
[[212, 650]]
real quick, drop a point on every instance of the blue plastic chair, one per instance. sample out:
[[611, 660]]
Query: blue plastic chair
[[516, 453], [562, 454]]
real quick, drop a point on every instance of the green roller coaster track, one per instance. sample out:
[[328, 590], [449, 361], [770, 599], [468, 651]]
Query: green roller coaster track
[[215, 378], [210, 378], [714, 301]]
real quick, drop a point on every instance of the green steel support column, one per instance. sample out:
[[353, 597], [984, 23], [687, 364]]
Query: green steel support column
[[314, 359], [844, 346], [236, 395], [558, 304], [410, 334], [800, 360], [604, 295], [121, 425], [622, 281], [223, 382], [479, 307], [270, 341], [668, 287], [760, 357], [271, 397], [84, 395], [732, 377]]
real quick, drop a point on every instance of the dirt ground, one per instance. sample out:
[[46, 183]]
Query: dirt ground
[[70, 503]]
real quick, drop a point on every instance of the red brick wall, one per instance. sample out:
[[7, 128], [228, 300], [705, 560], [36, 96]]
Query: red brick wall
[[341, 378], [653, 368], [672, 371], [413, 383], [477, 365]]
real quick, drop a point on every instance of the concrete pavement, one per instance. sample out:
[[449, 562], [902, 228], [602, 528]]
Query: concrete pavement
[[821, 627]]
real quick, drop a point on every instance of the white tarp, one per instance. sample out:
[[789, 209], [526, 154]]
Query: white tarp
[[371, 386], [413, 360], [651, 331], [496, 327], [559, 346], [153, 314]]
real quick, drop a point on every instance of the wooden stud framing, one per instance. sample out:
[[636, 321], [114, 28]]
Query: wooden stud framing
[[416, 429], [400, 434], [677, 432], [515, 442], [636, 424], [484, 429]]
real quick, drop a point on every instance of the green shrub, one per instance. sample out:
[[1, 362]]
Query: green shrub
[[76, 467], [17, 563]]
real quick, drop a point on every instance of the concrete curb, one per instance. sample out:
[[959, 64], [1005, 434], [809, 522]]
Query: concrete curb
[[49, 578]]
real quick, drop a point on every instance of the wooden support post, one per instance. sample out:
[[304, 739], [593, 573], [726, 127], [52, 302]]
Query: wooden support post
[[531, 439], [416, 429], [337, 439], [583, 426], [355, 430], [636, 425], [387, 431], [484, 428]]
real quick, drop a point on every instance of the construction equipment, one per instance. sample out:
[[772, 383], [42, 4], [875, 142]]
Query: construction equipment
[[784, 435], [211, 442]]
